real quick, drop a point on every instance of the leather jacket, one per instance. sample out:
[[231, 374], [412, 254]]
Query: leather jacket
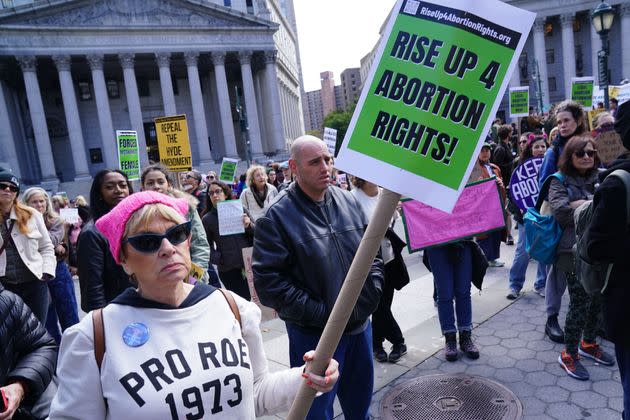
[[100, 278], [302, 253]]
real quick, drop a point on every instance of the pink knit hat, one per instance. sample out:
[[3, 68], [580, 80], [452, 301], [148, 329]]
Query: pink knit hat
[[112, 225]]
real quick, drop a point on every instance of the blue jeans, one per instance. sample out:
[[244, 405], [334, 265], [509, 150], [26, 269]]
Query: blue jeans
[[63, 305], [520, 263], [452, 274], [623, 361], [491, 246], [356, 373]]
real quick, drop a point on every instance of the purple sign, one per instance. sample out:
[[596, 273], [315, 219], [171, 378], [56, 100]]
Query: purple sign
[[524, 183]]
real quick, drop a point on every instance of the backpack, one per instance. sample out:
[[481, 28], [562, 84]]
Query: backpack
[[594, 275], [542, 232]]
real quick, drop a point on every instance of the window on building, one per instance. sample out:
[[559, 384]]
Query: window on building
[[84, 91], [577, 25], [552, 84], [548, 29], [551, 57], [227, 3], [579, 61], [143, 87], [250, 6]]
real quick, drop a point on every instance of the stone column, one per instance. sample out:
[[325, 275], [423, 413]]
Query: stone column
[[273, 113], [108, 139], [166, 83], [245, 58], [596, 45], [38, 119], [225, 110], [199, 112], [127, 61], [568, 51], [73, 120], [6, 134], [541, 57], [624, 12]]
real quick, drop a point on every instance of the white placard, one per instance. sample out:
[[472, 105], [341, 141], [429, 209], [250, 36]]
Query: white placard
[[230, 217], [330, 137], [69, 215]]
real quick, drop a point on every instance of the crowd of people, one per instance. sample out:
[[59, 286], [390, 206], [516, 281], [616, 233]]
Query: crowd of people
[[170, 317]]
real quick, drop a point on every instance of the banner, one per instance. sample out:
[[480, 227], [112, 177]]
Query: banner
[[330, 138], [582, 91], [228, 170], [608, 144], [266, 312], [173, 143], [621, 93], [128, 158], [438, 77], [479, 210], [519, 101], [524, 183], [230, 214]]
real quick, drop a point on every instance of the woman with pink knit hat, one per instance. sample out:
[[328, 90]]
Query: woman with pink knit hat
[[168, 349]]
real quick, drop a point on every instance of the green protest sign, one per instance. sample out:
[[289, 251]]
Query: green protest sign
[[128, 159], [519, 101], [582, 91], [228, 170], [439, 76]]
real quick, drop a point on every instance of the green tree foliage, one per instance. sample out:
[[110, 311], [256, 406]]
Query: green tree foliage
[[339, 120]]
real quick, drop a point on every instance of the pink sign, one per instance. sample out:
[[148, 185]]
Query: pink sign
[[478, 210]]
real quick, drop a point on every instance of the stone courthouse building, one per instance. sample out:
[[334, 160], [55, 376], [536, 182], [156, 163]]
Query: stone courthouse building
[[72, 72]]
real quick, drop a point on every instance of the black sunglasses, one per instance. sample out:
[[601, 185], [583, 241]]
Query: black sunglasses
[[11, 187], [589, 153], [149, 243]]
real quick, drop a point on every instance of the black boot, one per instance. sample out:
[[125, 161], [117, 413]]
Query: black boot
[[467, 345], [450, 346], [553, 330]]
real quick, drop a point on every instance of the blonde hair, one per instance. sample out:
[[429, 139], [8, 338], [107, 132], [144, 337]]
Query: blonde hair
[[141, 218], [79, 200], [251, 172], [61, 200], [50, 215]]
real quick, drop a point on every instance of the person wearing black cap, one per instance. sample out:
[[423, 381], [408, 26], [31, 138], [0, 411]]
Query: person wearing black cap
[[608, 241], [27, 255]]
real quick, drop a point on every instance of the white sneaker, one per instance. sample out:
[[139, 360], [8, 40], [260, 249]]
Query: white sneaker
[[495, 263]]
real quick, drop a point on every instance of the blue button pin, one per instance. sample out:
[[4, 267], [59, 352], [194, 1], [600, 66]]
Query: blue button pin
[[136, 334]]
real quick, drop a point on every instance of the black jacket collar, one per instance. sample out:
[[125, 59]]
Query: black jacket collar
[[130, 297]]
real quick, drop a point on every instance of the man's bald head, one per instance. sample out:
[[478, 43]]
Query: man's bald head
[[300, 142]]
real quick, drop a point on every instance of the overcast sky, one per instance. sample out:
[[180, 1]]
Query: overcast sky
[[335, 34]]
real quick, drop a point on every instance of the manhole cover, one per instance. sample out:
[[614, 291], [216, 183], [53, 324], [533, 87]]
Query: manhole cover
[[451, 397]]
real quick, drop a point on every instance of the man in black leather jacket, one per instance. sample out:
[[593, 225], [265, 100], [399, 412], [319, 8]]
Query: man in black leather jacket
[[303, 248], [28, 355]]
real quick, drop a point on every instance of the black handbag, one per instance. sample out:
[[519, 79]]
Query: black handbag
[[479, 263]]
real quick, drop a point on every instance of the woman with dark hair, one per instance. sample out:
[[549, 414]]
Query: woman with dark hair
[[158, 178], [100, 278], [534, 147], [578, 164], [226, 251]]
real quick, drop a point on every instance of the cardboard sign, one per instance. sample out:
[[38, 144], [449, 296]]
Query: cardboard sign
[[582, 91], [330, 137], [479, 210], [230, 215], [267, 312], [69, 215], [592, 114], [524, 183], [196, 272], [439, 76], [173, 143], [609, 145], [519, 101], [228, 170], [128, 158]]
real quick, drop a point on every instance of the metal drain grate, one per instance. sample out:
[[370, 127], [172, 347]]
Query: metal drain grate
[[451, 397]]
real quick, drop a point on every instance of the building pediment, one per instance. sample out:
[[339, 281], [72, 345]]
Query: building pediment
[[130, 14]]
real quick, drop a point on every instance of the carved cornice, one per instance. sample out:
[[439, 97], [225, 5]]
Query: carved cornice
[[539, 24], [245, 57], [63, 62], [271, 56], [191, 58], [566, 20], [95, 61], [218, 58], [27, 62], [163, 59], [127, 60]]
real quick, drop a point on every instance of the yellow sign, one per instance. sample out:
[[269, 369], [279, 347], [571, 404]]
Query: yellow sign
[[173, 144], [592, 114]]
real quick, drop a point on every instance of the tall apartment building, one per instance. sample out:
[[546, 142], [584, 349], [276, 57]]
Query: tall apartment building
[[351, 85]]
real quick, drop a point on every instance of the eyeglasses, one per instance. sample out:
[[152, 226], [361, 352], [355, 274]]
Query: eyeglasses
[[589, 153], [210, 176], [215, 192], [522, 141], [149, 243], [11, 187]]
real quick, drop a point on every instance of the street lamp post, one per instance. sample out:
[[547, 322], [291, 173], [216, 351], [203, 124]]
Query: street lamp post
[[602, 18]]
